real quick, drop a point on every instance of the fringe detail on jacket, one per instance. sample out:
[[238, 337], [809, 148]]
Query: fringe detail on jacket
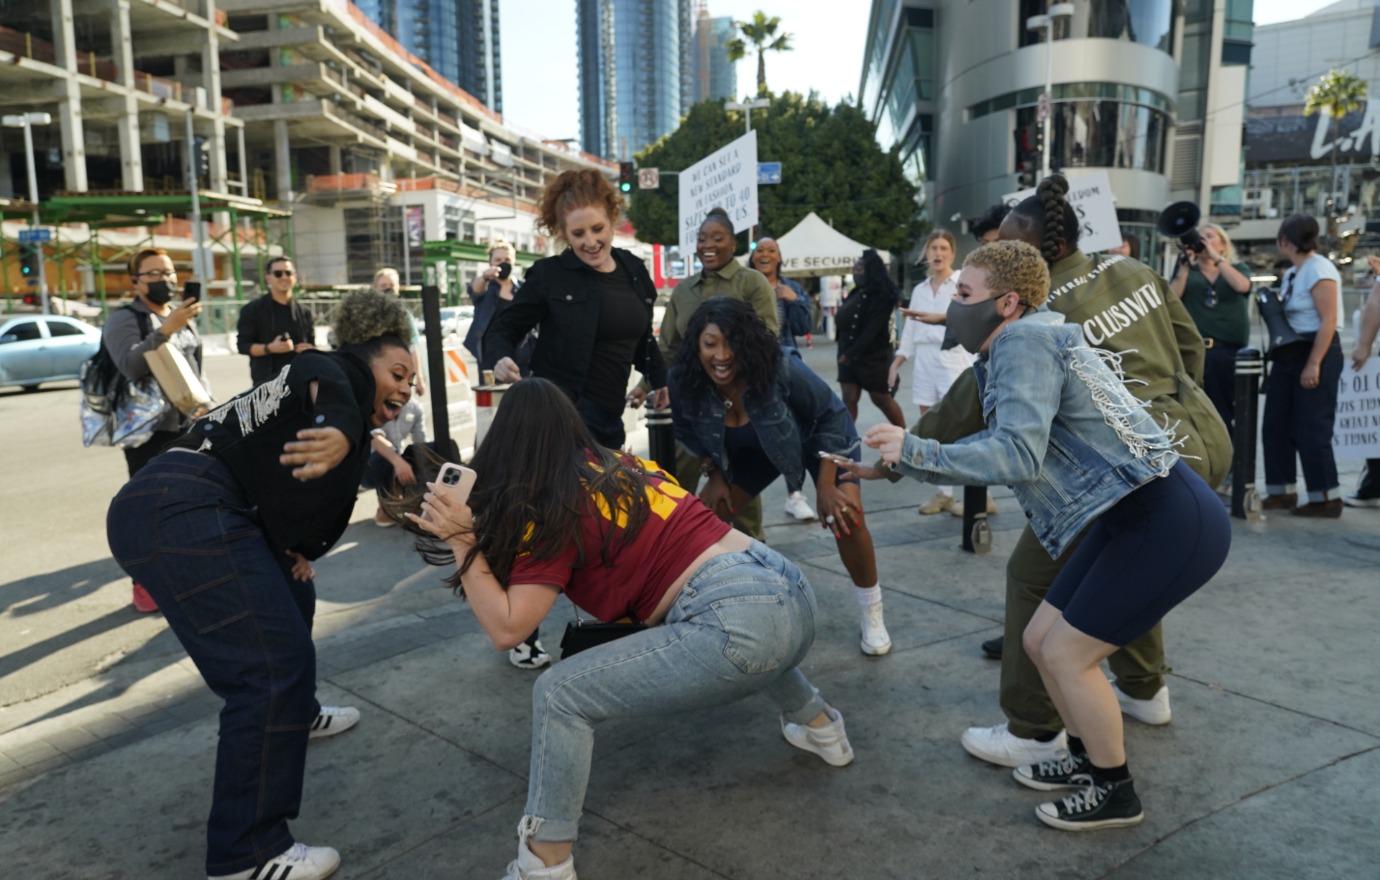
[[1123, 411]]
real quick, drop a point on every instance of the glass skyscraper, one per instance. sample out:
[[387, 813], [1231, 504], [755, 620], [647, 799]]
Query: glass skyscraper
[[459, 39], [715, 76], [636, 72]]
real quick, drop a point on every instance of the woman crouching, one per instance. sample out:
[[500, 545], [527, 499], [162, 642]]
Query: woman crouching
[[553, 512]]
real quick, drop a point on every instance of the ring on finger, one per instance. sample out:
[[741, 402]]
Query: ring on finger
[[829, 519]]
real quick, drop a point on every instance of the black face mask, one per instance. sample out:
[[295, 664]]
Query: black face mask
[[159, 293]]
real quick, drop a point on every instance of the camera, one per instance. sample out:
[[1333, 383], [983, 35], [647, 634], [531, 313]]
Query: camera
[[1180, 221], [505, 269]]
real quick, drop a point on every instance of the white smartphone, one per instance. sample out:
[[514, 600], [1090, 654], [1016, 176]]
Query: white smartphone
[[456, 481]]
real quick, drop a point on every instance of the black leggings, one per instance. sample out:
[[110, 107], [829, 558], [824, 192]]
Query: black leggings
[[1149, 552]]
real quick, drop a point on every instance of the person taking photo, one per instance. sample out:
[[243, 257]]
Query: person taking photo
[[275, 328]]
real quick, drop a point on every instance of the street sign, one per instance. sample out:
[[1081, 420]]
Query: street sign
[[36, 234], [1042, 107], [768, 173], [649, 178]]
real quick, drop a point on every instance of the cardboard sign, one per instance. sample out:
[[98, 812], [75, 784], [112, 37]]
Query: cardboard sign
[[1356, 429], [1090, 195], [726, 178]]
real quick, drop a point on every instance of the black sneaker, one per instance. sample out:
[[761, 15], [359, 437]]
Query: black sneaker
[[991, 648], [1100, 805], [1069, 771]]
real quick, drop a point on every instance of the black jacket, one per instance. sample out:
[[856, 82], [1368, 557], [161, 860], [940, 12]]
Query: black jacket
[[256, 325], [559, 294], [247, 434]]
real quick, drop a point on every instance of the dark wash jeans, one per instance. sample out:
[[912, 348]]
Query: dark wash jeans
[[1298, 421], [182, 529]]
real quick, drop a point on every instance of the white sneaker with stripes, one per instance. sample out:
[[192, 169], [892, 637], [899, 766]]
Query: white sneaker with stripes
[[298, 862], [331, 720]]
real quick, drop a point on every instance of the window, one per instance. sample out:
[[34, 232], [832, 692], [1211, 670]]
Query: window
[[1147, 22], [23, 332], [1101, 134], [1068, 91], [62, 328]]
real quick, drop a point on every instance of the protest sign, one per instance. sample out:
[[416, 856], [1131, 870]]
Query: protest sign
[[726, 178], [1090, 196], [1356, 430]]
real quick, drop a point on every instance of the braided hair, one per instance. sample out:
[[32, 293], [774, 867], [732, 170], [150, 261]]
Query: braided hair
[[1049, 219]]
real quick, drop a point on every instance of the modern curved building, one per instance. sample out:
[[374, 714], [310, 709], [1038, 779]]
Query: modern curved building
[[957, 84]]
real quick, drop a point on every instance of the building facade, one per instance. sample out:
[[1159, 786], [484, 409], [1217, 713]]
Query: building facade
[[716, 78], [636, 72], [1290, 156], [956, 85], [459, 39]]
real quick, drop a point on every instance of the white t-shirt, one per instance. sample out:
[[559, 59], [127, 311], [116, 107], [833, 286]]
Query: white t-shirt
[[1299, 309]]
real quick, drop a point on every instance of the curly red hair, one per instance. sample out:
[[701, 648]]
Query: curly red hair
[[583, 188]]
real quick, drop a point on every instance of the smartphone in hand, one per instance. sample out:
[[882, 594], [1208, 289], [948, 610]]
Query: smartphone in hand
[[456, 481], [836, 459], [191, 292]]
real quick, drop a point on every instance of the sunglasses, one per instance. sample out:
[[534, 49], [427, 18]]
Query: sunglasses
[[283, 273]]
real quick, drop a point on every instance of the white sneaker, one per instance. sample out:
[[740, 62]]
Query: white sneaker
[[528, 867], [532, 656], [1152, 711], [300, 862], [830, 742], [997, 745], [798, 508], [330, 721], [875, 640]]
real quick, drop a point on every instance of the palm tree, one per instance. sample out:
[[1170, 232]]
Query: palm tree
[[1337, 93], [761, 34]]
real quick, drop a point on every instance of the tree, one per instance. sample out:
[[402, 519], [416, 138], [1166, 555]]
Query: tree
[[831, 164], [1337, 94], [761, 34]]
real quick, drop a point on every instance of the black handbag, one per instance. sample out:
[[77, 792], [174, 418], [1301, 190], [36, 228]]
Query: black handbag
[[1278, 333], [581, 635]]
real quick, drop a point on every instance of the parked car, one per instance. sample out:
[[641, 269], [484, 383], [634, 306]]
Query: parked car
[[44, 348]]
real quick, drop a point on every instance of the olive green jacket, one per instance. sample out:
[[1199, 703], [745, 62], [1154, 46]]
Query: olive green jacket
[[1126, 308], [734, 280]]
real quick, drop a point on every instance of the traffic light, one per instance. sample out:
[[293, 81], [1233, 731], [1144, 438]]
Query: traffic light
[[30, 254], [627, 176], [203, 157]]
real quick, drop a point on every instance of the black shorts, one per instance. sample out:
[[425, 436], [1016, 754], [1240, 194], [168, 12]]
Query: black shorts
[[870, 372]]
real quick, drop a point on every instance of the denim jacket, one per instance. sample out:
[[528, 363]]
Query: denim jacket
[[1062, 431], [799, 419]]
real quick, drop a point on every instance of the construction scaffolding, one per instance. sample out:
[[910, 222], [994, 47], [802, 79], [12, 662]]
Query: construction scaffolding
[[96, 230]]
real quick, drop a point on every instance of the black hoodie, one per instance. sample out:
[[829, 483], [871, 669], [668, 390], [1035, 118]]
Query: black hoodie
[[248, 433]]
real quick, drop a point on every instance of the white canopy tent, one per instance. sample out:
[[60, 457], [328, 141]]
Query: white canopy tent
[[814, 248]]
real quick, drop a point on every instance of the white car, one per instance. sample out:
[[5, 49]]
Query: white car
[[44, 348]]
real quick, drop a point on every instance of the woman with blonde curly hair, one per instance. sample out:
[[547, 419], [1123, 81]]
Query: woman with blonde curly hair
[[221, 530], [1080, 453]]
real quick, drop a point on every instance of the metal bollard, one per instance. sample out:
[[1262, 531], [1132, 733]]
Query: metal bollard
[[977, 534], [1250, 366], [661, 439]]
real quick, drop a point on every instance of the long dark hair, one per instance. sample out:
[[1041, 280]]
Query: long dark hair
[[1049, 218], [539, 470], [876, 279], [756, 352]]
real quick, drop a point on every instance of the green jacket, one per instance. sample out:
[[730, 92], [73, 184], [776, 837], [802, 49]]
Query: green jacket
[[1126, 308], [734, 280]]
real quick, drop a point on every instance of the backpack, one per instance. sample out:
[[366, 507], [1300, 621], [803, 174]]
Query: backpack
[[104, 389]]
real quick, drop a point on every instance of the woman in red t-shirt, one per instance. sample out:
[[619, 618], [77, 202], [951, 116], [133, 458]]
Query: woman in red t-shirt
[[553, 512]]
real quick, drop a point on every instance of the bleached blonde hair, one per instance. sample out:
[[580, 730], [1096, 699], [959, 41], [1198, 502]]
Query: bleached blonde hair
[[1013, 265]]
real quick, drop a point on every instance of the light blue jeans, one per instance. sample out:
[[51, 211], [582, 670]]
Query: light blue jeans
[[742, 624]]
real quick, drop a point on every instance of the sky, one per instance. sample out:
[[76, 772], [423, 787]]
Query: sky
[[541, 89]]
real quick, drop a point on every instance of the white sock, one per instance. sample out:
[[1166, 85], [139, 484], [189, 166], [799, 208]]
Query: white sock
[[868, 596]]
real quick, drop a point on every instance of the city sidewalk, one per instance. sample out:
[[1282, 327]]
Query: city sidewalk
[[1269, 769]]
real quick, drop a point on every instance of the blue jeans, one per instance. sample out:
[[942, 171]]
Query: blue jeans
[[741, 624], [1298, 421], [182, 528]]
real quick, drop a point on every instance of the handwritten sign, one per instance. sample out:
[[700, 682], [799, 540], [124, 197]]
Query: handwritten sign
[[1090, 196], [726, 178], [1356, 430]]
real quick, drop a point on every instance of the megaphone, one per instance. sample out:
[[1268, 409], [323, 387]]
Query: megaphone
[[1180, 220]]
